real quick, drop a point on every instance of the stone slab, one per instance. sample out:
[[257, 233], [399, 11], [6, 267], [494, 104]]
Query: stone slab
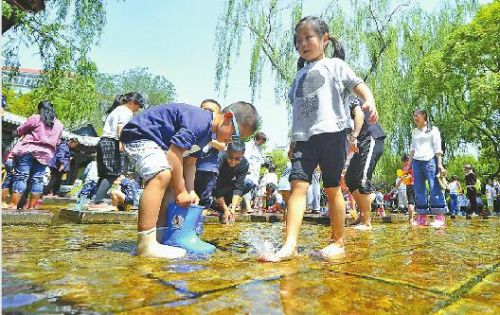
[[26, 217], [98, 217], [51, 201]]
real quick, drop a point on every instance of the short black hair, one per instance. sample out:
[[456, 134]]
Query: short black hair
[[260, 135], [210, 100], [405, 158], [246, 115], [236, 146]]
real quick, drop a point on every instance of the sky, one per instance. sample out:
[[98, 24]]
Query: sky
[[175, 39]]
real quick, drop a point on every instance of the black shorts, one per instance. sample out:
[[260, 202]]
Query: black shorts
[[328, 150], [410, 194], [359, 173]]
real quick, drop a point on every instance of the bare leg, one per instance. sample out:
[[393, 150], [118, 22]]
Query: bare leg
[[286, 198], [33, 200], [14, 200], [364, 201], [149, 209], [149, 206], [295, 214], [411, 213], [337, 220], [5, 195]]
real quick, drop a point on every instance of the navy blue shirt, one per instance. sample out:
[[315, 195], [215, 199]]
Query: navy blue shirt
[[209, 160], [186, 126], [62, 156], [231, 177]]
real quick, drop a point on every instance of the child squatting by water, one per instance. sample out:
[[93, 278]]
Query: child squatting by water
[[158, 142]]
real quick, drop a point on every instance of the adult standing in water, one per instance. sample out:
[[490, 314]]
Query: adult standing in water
[[427, 163], [41, 133], [110, 156], [470, 184]]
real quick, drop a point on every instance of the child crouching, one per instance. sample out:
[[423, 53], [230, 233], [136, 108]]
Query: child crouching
[[156, 142]]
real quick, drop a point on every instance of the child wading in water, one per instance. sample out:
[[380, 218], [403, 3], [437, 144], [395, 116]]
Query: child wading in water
[[318, 130], [158, 142]]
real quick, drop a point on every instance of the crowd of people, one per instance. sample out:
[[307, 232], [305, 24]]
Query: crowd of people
[[173, 156]]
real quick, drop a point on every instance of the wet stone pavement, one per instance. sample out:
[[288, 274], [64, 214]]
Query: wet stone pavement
[[91, 269]]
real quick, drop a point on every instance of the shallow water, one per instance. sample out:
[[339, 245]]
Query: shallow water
[[91, 269]]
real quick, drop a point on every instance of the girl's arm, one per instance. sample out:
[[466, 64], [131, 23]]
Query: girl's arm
[[364, 92], [410, 158], [28, 126]]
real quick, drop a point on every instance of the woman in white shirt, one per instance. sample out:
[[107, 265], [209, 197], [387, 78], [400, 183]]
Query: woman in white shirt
[[110, 157], [426, 161]]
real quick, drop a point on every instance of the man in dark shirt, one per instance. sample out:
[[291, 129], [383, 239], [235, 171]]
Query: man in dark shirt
[[470, 182], [231, 184]]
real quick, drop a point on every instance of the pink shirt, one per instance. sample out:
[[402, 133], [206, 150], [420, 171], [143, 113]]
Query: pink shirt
[[39, 140]]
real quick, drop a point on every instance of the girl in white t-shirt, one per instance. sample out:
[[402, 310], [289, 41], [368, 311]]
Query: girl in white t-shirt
[[490, 194], [454, 187], [110, 157]]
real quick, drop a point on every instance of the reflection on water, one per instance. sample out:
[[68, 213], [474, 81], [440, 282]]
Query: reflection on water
[[91, 269]]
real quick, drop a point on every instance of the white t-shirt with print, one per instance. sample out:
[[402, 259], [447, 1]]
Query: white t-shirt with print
[[317, 96], [119, 117]]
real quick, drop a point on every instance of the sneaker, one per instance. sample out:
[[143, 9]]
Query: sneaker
[[5, 205], [439, 221], [421, 220], [473, 215]]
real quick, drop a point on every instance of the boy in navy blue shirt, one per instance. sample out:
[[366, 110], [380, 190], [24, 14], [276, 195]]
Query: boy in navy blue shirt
[[158, 142]]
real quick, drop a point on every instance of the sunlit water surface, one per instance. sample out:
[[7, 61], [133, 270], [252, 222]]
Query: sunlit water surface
[[92, 269]]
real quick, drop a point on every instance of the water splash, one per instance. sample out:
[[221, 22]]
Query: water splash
[[262, 241]]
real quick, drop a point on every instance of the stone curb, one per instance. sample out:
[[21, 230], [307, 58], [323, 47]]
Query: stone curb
[[26, 217]]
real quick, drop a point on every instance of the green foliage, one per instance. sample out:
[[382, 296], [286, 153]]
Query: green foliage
[[389, 43], [155, 88], [64, 33], [280, 159], [462, 81]]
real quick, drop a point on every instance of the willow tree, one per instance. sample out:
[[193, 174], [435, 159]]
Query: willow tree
[[63, 35], [462, 80], [156, 89], [384, 42]]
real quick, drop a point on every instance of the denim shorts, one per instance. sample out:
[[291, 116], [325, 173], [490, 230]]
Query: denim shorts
[[146, 158]]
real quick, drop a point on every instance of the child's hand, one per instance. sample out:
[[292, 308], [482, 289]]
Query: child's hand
[[194, 197], [370, 107], [353, 145], [183, 199]]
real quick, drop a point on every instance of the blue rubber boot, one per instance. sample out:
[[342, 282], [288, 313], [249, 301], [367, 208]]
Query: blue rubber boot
[[181, 231]]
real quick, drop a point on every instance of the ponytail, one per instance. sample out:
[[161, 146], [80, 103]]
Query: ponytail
[[300, 63], [338, 50], [117, 102], [133, 97], [320, 28], [47, 113]]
